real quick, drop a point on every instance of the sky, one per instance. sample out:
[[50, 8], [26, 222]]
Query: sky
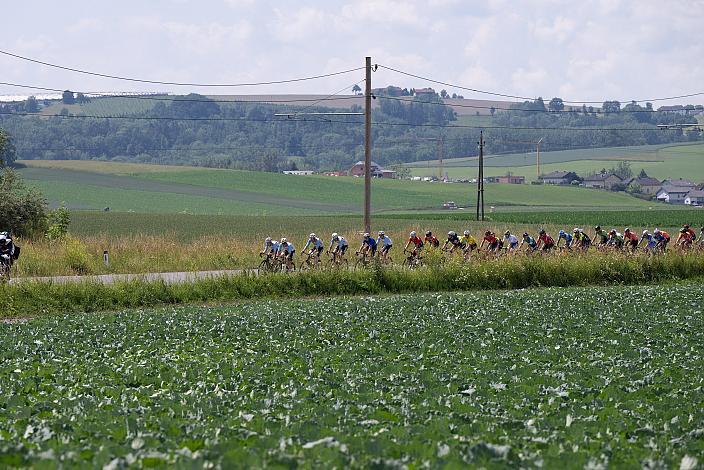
[[581, 50]]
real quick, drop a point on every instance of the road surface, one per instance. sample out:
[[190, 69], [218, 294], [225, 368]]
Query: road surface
[[169, 278]]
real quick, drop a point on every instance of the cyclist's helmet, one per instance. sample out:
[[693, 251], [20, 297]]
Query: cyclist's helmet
[[466, 233], [562, 233], [312, 235], [335, 236], [628, 230], [487, 233], [366, 235], [267, 240], [597, 228], [576, 230], [451, 234], [3, 238], [283, 240], [413, 234], [683, 230], [428, 233], [542, 231], [612, 232], [656, 231], [686, 226], [507, 233], [525, 234], [381, 233], [645, 233]]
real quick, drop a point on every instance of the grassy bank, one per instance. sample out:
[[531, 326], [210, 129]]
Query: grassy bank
[[28, 299]]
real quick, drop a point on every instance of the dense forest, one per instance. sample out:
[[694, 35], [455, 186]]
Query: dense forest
[[195, 130]]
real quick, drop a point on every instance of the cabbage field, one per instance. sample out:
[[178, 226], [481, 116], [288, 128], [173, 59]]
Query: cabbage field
[[559, 378]]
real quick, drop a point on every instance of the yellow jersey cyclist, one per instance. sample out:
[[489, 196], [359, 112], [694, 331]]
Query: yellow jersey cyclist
[[385, 243], [468, 243]]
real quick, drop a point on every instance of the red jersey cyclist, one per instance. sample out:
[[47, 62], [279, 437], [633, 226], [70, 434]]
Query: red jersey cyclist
[[415, 240]]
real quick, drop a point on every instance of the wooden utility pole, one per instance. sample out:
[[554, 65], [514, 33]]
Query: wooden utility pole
[[537, 158], [439, 151], [480, 177], [368, 147]]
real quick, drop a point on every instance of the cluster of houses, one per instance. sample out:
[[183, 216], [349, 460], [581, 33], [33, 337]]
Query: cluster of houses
[[671, 191]]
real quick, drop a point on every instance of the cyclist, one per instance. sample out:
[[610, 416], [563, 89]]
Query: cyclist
[[684, 239], [468, 243], [414, 239], [385, 243], [271, 247], [286, 251], [492, 243], [431, 240], [663, 238], [368, 245], [545, 241], [340, 244], [511, 240], [691, 232], [530, 241], [453, 240], [7, 249], [601, 236], [631, 239], [567, 237], [581, 240], [316, 246], [615, 239], [650, 241]]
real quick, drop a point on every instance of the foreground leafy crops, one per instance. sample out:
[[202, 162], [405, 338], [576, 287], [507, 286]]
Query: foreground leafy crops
[[554, 377]]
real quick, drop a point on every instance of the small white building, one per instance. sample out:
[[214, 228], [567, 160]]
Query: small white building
[[672, 194], [694, 198], [299, 172]]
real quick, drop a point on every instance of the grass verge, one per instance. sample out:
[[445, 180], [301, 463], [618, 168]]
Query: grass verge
[[31, 299]]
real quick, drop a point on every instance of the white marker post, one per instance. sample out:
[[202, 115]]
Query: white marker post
[[106, 258]]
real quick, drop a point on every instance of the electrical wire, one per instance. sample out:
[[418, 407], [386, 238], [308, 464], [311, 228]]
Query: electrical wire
[[505, 95], [159, 82], [183, 98]]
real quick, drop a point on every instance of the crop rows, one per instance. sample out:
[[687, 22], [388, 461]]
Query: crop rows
[[558, 378]]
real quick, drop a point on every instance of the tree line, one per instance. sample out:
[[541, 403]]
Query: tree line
[[195, 130]]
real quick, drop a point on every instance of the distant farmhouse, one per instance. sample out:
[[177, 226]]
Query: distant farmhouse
[[646, 184], [694, 198], [508, 179], [560, 177], [603, 180], [376, 170], [672, 194]]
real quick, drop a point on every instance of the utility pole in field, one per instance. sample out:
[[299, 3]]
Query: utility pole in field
[[480, 178], [368, 146], [537, 151]]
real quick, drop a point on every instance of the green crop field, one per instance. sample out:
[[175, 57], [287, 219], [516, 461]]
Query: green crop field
[[555, 378], [659, 161], [142, 188], [107, 106]]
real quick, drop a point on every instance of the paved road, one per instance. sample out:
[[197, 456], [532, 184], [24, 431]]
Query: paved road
[[169, 278]]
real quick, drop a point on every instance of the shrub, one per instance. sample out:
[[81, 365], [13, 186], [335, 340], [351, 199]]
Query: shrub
[[23, 209]]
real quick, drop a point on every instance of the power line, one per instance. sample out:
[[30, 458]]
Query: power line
[[505, 95], [158, 82], [333, 121]]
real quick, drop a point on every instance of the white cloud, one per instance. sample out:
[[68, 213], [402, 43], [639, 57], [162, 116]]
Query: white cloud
[[198, 38], [300, 24]]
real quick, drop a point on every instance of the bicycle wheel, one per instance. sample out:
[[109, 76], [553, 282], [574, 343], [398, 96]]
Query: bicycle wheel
[[305, 265], [264, 266]]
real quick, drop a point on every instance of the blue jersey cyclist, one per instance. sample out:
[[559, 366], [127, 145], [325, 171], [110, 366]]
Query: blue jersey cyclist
[[368, 244], [385, 243], [649, 240], [564, 236], [315, 244]]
